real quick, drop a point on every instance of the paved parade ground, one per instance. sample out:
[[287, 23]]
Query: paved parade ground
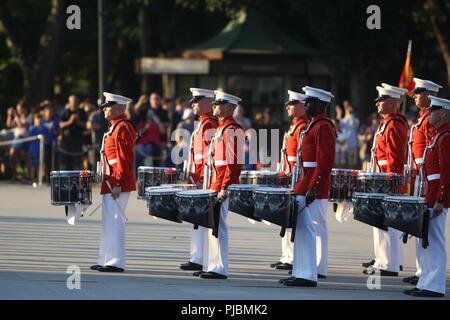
[[37, 246]]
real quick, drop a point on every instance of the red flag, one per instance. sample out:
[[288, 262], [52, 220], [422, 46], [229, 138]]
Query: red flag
[[406, 79]]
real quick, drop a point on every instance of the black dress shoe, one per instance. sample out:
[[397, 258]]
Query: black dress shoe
[[284, 266], [321, 276], [212, 275], [427, 294], [290, 272], [300, 282], [410, 291], [274, 265], [283, 280], [191, 266], [383, 273], [197, 273], [411, 280], [110, 269], [401, 268], [95, 267], [368, 264]]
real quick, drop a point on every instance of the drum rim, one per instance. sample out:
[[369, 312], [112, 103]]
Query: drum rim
[[159, 169], [377, 174], [237, 186], [277, 189], [367, 194], [158, 192], [175, 185], [62, 172], [407, 198], [196, 192]]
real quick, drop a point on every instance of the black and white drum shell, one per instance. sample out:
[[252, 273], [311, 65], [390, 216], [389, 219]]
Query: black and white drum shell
[[155, 176], [274, 205], [197, 206], [406, 213], [343, 184], [161, 203], [378, 182], [368, 208], [70, 187], [241, 200]]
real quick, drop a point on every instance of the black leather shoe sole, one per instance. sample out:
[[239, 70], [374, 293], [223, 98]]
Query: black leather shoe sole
[[274, 265], [212, 275], [284, 266], [321, 276], [410, 291], [411, 280], [286, 279], [299, 282], [95, 267], [197, 273], [110, 269], [368, 264], [191, 266], [427, 294]]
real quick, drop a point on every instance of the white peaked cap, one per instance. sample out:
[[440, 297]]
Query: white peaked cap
[[197, 92], [118, 99], [296, 96], [387, 93], [402, 91], [220, 96], [320, 94], [426, 85], [439, 103]]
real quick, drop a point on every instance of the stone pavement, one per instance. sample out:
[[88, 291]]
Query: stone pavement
[[37, 246]]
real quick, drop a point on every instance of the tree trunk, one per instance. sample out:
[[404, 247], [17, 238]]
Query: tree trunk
[[439, 17], [40, 77]]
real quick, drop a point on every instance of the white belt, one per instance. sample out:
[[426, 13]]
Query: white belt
[[292, 158], [112, 161], [198, 156], [418, 160], [309, 164], [382, 162], [435, 176], [219, 163]]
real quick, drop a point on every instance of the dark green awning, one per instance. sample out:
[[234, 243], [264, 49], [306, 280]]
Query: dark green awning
[[250, 33]]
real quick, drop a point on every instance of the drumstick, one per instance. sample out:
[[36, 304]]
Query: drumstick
[[96, 209]]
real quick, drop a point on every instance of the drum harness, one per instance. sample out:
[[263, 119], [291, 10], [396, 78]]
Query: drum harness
[[297, 171]]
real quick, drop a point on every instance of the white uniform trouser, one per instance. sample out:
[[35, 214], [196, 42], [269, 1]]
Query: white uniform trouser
[[388, 249], [433, 260], [287, 248], [112, 243], [305, 261], [197, 239], [215, 250], [320, 221]]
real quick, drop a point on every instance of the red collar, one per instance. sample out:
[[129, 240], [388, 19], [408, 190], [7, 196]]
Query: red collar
[[122, 117], [205, 116], [226, 120], [423, 112], [303, 118]]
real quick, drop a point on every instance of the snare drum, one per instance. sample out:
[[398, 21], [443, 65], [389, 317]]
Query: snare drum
[[274, 205], [197, 206], [241, 200], [161, 203], [182, 186], [70, 187], [154, 176], [406, 213], [369, 209], [343, 183], [379, 182]]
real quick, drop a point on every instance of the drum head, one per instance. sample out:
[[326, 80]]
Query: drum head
[[237, 187], [272, 190], [180, 186], [413, 199], [151, 169], [196, 193], [69, 173], [363, 195], [162, 191]]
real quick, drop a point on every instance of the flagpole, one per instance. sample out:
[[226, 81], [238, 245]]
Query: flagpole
[[408, 57]]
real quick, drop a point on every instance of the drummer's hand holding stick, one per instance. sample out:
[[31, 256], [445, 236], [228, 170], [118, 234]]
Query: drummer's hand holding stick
[[223, 195], [310, 196], [115, 192], [437, 209]]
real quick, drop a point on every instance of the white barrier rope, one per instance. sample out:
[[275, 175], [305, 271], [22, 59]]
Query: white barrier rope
[[41, 139]]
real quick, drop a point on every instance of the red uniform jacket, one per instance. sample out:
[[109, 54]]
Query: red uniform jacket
[[437, 168], [422, 135], [317, 157], [119, 156], [296, 127], [201, 139], [227, 154]]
